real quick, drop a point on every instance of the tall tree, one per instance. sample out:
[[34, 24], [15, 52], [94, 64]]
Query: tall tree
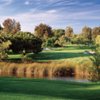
[[95, 32], [87, 33], [58, 32], [1, 28], [43, 31], [11, 26], [97, 40], [3, 47], [69, 32]]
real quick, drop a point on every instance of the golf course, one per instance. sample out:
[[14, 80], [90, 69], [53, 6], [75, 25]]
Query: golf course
[[49, 49], [42, 89], [12, 88]]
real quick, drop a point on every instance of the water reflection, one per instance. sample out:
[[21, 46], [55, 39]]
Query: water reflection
[[71, 79]]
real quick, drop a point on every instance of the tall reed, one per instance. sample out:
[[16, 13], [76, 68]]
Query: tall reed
[[46, 70]]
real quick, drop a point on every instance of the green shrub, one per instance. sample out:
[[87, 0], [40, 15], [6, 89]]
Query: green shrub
[[3, 48]]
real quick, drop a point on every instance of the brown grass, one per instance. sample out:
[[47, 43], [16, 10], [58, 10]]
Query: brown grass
[[42, 70]]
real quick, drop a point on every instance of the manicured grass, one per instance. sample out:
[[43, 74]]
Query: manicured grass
[[40, 89], [58, 54]]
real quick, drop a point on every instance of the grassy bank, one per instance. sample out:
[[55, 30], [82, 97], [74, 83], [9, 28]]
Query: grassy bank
[[74, 52], [50, 69], [37, 89]]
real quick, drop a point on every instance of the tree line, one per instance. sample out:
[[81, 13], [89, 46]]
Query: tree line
[[43, 36], [58, 36]]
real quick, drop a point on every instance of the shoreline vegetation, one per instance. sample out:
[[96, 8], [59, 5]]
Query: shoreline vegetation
[[46, 70], [69, 61]]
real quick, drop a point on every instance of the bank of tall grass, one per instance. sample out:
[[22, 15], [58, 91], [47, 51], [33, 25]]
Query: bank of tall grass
[[82, 70]]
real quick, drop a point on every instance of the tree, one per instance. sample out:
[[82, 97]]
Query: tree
[[3, 47], [95, 71], [25, 41], [43, 31], [69, 32], [75, 39], [37, 45], [87, 34], [61, 41], [1, 28], [97, 40], [11, 26], [96, 61], [17, 28], [58, 32], [95, 32], [49, 42]]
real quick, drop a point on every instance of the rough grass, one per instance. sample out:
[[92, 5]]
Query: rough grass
[[37, 89]]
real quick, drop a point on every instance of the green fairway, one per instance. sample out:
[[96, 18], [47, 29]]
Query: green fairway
[[40, 89], [74, 53]]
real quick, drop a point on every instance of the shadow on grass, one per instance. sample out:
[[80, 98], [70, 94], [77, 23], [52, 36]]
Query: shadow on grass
[[77, 47], [56, 55], [46, 56], [58, 89]]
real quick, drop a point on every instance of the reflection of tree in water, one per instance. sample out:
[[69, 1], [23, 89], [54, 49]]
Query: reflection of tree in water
[[0, 72], [63, 72], [14, 72]]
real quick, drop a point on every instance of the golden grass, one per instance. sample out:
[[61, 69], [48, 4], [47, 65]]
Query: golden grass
[[50, 69]]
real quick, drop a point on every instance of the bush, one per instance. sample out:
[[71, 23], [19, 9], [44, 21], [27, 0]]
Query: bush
[[97, 41], [23, 41], [96, 62], [3, 48]]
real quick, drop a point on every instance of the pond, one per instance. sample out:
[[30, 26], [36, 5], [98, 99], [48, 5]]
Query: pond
[[70, 79]]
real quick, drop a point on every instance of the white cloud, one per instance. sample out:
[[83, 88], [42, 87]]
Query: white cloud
[[27, 3], [53, 17], [81, 15], [29, 20], [52, 11]]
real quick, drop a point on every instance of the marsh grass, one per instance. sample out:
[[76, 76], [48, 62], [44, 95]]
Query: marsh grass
[[46, 70]]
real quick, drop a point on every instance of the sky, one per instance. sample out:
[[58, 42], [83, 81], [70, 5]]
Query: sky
[[55, 13]]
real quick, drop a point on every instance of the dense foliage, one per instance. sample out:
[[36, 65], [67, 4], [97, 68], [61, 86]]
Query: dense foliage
[[3, 48], [23, 41], [96, 60]]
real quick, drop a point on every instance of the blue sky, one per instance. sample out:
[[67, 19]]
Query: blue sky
[[56, 13]]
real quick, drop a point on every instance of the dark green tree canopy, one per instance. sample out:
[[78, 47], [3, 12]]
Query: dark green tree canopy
[[58, 32], [23, 41]]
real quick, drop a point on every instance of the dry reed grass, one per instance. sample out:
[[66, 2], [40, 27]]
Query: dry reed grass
[[42, 70]]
